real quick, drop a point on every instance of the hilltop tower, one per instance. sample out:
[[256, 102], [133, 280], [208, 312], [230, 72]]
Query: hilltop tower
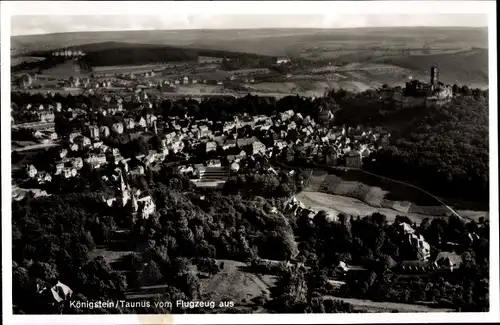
[[434, 76]]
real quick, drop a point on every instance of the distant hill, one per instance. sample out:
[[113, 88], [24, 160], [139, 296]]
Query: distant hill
[[469, 66], [263, 41], [123, 54], [461, 53]]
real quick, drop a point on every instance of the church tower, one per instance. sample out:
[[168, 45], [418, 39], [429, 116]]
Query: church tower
[[125, 190]]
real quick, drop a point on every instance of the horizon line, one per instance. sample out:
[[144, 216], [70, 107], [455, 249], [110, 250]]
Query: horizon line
[[256, 28]]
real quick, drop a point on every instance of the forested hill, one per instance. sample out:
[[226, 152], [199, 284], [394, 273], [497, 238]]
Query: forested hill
[[443, 149], [118, 53]]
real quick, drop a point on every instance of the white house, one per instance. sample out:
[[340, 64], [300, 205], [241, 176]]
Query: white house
[[31, 171], [104, 131], [117, 127]]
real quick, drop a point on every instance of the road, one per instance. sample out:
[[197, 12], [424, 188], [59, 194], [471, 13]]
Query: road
[[37, 147], [237, 95], [417, 188], [177, 94], [35, 125]]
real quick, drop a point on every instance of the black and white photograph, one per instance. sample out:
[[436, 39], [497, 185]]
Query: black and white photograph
[[182, 158]]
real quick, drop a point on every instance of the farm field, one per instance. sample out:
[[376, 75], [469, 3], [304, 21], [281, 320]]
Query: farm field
[[336, 204], [128, 68], [355, 192], [382, 55], [24, 59]]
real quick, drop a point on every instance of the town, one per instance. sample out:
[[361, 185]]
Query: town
[[205, 178]]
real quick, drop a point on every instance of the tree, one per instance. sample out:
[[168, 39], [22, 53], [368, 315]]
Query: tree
[[151, 274], [44, 271], [62, 126], [141, 146]]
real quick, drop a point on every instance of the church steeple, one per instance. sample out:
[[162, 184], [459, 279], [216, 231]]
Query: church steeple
[[123, 187], [125, 190]]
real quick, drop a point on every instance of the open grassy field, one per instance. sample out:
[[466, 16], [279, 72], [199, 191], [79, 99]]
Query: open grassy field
[[358, 193], [25, 59], [236, 284], [128, 69], [337, 204], [66, 70], [233, 283]]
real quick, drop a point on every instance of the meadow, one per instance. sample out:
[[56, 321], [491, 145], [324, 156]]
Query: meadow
[[355, 192]]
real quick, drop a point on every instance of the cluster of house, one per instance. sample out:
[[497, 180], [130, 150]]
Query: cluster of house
[[447, 260], [297, 208], [233, 140], [41, 113], [68, 53], [88, 83], [229, 141], [53, 295], [88, 149], [271, 136]]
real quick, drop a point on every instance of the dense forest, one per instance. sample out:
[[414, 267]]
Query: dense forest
[[443, 149], [113, 54], [447, 151], [53, 238]]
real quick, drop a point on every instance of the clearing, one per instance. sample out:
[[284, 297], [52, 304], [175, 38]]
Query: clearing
[[358, 192], [233, 283], [236, 284], [336, 204], [24, 59]]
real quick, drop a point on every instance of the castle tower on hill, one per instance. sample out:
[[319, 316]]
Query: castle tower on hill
[[434, 76]]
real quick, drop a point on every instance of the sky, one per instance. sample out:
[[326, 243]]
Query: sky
[[46, 24]]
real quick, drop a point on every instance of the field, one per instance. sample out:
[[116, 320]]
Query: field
[[313, 87], [336, 204], [382, 55], [25, 59], [358, 193], [232, 283], [66, 69], [273, 41], [236, 284], [128, 69]]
